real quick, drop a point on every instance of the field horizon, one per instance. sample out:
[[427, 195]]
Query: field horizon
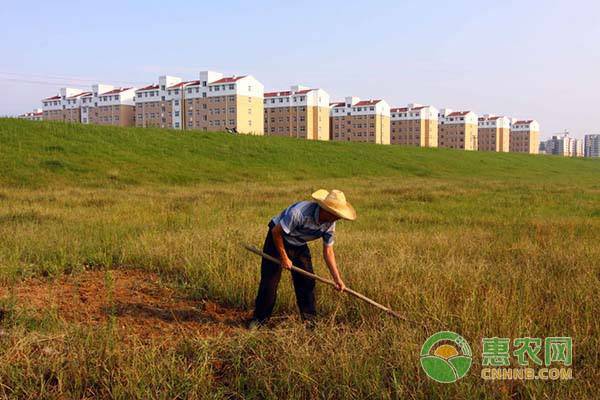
[[122, 273]]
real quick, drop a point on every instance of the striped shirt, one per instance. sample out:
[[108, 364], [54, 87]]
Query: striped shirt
[[299, 223]]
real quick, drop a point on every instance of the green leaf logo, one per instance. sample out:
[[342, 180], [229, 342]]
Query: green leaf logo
[[446, 357]]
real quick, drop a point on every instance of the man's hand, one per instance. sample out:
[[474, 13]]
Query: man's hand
[[333, 270], [339, 284], [284, 260], [286, 263]]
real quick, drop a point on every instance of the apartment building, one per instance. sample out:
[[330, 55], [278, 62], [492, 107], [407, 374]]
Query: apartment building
[[360, 121], [524, 137], [63, 106], [115, 107], [211, 103], [414, 125], [36, 115], [592, 146], [160, 105], [215, 102], [90, 100], [300, 112], [103, 105], [457, 129], [72, 107], [493, 133]]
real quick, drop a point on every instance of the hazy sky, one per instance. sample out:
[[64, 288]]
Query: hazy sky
[[527, 59]]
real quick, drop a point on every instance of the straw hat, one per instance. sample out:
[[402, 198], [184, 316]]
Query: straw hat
[[335, 202]]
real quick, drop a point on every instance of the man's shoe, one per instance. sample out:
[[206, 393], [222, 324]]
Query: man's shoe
[[254, 324], [310, 321]]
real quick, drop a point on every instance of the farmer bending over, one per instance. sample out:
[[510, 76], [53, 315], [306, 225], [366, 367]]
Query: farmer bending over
[[286, 239]]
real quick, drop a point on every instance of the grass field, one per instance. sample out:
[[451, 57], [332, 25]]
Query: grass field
[[483, 244]]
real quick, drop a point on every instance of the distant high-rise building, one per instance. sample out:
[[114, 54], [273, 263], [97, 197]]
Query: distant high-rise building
[[457, 129], [542, 149], [525, 137], [592, 145], [563, 144], [577, 148], [360, 121], [493, 133], [414, 125]]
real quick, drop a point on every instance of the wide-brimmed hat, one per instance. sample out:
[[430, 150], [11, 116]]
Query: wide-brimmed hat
[[335, 202]]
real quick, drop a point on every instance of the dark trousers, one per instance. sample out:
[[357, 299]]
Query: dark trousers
[[270, 274]]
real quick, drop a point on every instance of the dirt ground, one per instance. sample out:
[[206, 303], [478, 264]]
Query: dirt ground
[[141, 305]]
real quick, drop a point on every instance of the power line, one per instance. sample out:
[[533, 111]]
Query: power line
[[39, 82], [38, 78]]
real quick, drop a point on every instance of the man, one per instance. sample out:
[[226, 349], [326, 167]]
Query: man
[[286, 240]]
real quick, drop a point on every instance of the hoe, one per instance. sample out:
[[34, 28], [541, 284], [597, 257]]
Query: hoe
[[329, 282]]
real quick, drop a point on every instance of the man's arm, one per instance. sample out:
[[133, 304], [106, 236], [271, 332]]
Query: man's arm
[[277, 232], [329, 257]]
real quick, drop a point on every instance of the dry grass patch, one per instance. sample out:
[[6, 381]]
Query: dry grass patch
[[138, 303]]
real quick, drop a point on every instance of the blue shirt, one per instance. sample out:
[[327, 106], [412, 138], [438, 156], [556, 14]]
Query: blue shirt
[[300, 224]]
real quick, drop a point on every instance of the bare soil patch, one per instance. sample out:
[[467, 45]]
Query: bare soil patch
[[139, 302]]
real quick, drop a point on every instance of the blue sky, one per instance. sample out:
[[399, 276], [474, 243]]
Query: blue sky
[[527, 59]]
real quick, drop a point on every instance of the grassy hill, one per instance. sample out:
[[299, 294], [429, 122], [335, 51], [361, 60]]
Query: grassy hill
[[106, 231], [35, 154]]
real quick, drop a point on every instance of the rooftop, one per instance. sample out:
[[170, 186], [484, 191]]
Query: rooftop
[[366, 103], [116, 91], [402, 109], [228, 79], [287, 93], [458, 113], [182, 84], [149, 87], [82, 94], [492, 118]]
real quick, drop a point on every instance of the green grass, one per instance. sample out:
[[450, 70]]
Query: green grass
[[484, 244], [57, 154]]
